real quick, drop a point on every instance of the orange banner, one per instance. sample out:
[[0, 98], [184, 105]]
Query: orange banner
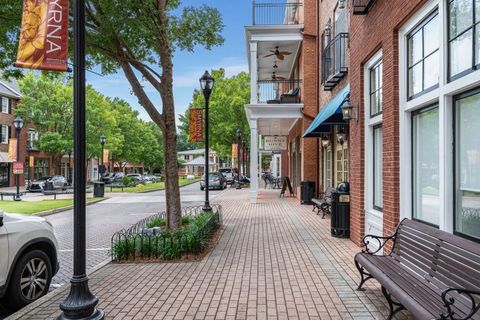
[[196, 125], [31, 162], [234, 151], [44, 35], [12, 149], [106, 155]]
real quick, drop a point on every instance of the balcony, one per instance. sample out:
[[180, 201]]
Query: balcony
[[334, 62], [360, 7], [279, 91], [282, 13]]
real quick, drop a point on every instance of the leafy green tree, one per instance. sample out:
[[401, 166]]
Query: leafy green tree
[[226, 111], [153, 159], [139, 38]]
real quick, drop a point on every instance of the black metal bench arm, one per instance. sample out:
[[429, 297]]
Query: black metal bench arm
[[381, 241], [449, 301]]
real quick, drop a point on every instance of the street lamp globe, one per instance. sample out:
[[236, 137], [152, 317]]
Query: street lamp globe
[[207, 82], [18, 123], [239, 133], [102, 139]]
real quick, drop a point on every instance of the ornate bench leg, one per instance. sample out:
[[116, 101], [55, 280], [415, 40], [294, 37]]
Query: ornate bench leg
[[395, 307], [364, 276]]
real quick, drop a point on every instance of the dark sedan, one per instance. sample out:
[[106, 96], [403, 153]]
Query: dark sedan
[[217, 181]]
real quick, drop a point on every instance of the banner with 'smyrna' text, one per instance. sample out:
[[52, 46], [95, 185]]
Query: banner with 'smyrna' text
[[44, 35]]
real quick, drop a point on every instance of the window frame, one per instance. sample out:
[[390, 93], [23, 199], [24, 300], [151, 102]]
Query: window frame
[[6, 137], [456, 98], [374, 162], [474, 66], [4, 98], [371, 69], [420, 27]]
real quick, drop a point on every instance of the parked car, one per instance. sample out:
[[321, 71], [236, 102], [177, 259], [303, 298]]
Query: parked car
[[58, 182], [150, 178], [28, 259], [229, 174], [216, 181], [137, 176], [113, 177]]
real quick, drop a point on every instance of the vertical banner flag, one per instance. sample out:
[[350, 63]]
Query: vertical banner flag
[[196, 125], [44, 35], [12, 150], [234, 151], [106, 154], [18, 167], [31, 162]]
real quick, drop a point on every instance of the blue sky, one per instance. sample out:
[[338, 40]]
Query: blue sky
[[188, 67]]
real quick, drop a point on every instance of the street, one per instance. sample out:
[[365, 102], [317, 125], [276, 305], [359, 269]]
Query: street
[[105, 218]]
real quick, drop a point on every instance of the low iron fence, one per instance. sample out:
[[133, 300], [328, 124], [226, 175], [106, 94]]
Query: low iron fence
[[141, 241], [279, 91], [276, 13]]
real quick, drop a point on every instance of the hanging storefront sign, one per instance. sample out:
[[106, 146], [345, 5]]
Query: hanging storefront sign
[[44, 35], [12, 149], [31, 162], [18, 167], [275, 143], [196, 125]]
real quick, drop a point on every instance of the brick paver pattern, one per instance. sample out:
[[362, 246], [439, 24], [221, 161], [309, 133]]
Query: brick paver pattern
[[275, 260]]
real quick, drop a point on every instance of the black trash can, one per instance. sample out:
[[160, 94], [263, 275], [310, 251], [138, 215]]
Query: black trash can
[[98, 189], [340, 223], [48, 186], [307, 192]]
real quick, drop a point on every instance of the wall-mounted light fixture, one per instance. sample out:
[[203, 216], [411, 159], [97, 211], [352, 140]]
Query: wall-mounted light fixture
[[349, 111], [341, 134], [325, 141]]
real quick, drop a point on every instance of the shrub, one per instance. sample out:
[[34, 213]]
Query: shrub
[[156, 222], [129, 181]]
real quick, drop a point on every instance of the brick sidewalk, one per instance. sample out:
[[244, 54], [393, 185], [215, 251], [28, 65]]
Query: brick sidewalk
[[275, 260]]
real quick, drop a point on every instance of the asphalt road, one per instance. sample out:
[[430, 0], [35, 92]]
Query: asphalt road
[[107, 217]]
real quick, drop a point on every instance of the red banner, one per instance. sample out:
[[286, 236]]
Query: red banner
[[44, 35], [196, 125], [18, 167]]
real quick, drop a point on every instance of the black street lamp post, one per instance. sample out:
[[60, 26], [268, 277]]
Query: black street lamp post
[[239, 135], [207, 82], [101, 169], [69, 180], [18, 124], [244, 156], [80, 302]]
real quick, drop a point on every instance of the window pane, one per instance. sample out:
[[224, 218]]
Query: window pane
[[477, 43], [415, 80], [461, 16], [415, 48], [477, 10], [431, 71], [461, 53], [425, 163], [468, 166], [373, 80], [431, 36], [377, 168]]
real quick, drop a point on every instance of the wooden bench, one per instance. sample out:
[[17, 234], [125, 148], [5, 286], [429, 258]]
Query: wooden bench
[[323, 202], [432, 273]]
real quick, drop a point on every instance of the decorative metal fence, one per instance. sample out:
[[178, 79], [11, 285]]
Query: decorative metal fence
[[142, 242], [277, 91], [276, 13]]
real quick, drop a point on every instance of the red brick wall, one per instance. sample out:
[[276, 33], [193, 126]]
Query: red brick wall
[[369, 33]]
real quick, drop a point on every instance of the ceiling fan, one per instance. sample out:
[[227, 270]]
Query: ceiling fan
[[275, 77], [279, 54]]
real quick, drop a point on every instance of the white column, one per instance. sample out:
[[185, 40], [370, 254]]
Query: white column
[[253, 161], [253, 73]]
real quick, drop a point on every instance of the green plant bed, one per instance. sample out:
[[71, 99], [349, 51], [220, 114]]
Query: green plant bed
[[153, 186], [155, 242]]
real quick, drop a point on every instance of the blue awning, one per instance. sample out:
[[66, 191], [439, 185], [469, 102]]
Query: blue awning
[[329, 115]]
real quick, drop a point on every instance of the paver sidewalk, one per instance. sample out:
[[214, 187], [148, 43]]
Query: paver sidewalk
[[275, 260]]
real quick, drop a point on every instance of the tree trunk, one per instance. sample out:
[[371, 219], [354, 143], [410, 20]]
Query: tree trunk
[[172, 190]]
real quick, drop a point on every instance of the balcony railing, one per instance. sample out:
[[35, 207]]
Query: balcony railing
[[276, 13], [362, 6], [279, 91], [334, 64]]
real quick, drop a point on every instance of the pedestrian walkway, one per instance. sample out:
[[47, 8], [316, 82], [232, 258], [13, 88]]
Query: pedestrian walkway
[[275, 260]]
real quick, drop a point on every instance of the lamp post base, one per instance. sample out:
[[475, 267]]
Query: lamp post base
[[80, 303], [206, 207], [17, 197]]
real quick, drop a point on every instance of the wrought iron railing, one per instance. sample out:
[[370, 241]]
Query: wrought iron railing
[[141, 241], [276, 13], [334, 64], [362, 6], [279, 91]]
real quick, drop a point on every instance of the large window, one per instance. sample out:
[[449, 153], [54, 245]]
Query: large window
[[32, 138], [4, 134], [376, 89], [423, 56], [463, 36], [467, 164], [5, 104], [425, 165], [40, 168], [377, 168]]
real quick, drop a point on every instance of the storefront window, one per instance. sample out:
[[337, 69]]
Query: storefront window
[[4, 134], [467, 163], [376, 89], [40, 168], [463, 36], [423, 56], [327, 166], [5, 104], [377, 168], [4, 175], [425, 165]]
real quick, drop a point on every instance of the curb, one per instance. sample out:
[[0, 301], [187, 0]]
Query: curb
[[22, 312], [58, 210]]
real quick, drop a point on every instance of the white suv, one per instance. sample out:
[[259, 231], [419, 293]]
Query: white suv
[[28, 259]]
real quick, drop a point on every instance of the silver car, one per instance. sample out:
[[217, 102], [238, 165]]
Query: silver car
[[57, 182]]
